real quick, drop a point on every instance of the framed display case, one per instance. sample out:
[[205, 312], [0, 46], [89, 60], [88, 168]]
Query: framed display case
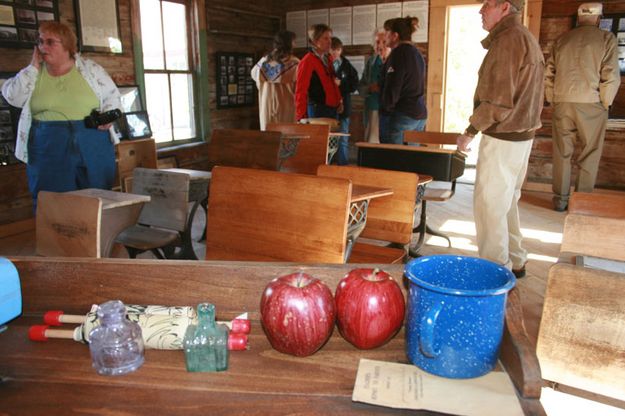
[[98, 26], [235, 86], [19, 20]]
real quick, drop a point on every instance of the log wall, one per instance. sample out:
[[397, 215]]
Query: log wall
[[558, 17]]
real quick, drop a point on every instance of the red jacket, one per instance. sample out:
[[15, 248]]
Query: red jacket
[[315, 83]]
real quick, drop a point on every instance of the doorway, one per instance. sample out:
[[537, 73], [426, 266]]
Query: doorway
[[464, 57]]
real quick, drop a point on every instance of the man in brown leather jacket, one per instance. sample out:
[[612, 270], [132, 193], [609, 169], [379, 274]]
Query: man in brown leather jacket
[[507, 105], [581, 80]]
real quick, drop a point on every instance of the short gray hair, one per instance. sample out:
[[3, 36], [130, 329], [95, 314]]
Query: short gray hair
[[375, 35]]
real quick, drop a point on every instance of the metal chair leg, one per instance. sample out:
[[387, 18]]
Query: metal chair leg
[[423, 229]]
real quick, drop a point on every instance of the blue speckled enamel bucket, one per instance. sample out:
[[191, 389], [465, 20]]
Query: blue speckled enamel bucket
[[456, 309]]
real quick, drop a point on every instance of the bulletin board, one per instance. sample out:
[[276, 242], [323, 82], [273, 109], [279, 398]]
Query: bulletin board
[[20, 19], [615, 23], [235, 86]]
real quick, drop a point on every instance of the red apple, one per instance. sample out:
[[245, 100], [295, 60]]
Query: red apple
[[297, 312], [370, 307]]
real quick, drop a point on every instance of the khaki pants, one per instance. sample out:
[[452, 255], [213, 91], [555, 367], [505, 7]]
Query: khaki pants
[[501, 168], [585, 122], [372, 129]]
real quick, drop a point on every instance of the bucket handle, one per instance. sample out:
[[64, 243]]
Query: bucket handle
[[428, 323]]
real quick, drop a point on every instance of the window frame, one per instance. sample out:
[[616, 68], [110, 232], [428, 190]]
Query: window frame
[[196, 49]]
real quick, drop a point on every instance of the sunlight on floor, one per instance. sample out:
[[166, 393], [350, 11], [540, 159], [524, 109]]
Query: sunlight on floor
[[540, 257], [562, 404], [468, 228]]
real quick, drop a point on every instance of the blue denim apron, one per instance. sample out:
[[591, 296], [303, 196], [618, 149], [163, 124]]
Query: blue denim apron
[[65, 156]]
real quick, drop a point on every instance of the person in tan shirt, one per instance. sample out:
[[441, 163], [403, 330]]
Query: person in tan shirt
[[506, 109], [581, 80]]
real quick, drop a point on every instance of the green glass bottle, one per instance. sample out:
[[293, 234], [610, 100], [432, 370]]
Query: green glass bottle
[[206, 344]]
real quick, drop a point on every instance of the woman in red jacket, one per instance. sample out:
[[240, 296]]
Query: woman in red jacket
[[316, 91]]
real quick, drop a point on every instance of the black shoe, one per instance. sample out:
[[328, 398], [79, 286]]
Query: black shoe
[[519, 273], [560, 206]]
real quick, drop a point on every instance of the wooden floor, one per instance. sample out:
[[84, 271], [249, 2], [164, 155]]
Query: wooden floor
[[542, 228]]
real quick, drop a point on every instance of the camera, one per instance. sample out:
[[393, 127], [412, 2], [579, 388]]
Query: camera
[[96, 118]]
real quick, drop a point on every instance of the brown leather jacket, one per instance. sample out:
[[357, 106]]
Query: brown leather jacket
[[509, 95]]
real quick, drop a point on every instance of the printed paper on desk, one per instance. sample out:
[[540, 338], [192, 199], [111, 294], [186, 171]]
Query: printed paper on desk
[[405, 386]]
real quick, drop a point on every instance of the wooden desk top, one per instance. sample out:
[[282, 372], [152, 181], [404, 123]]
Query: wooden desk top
[[409, 148], [36, 376], [295, 136], [194, 175], [112, 199], [425, 179], [362, 192]]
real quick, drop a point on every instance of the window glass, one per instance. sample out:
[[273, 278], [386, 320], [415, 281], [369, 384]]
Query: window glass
[[175, 30], [152, 34], [159, 110], [182, 105]]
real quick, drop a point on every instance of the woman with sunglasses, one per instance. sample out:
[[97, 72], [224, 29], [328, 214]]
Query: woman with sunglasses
[[56, 92], [316, 91]]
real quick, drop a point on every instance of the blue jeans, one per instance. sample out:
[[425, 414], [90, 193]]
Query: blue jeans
[[342, 154], [320, 110], [65, 156], [395, 125]]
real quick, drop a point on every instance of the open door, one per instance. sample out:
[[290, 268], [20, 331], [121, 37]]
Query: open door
[[438, 49]]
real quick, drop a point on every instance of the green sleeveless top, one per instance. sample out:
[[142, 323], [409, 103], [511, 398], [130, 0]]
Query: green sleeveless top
[[67, 97]]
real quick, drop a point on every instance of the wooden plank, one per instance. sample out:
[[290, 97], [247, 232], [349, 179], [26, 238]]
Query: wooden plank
[[68, 225], [271, 216], [581, 341], [111, 199], [430, 137], [244, 148], [423, 149], [134, 154], [168, 193], [311, 152], [598, 204], [17, 227], [594, 236]]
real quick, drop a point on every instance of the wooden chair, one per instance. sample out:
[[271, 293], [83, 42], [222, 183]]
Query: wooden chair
[[311, 152], [259, 215], [131, 154], [163, 219], [388, 219], [68, 225], [435, 140], [245, 148], [584, 309]]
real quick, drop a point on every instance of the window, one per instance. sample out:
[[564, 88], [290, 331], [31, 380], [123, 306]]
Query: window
[[167, 70]]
